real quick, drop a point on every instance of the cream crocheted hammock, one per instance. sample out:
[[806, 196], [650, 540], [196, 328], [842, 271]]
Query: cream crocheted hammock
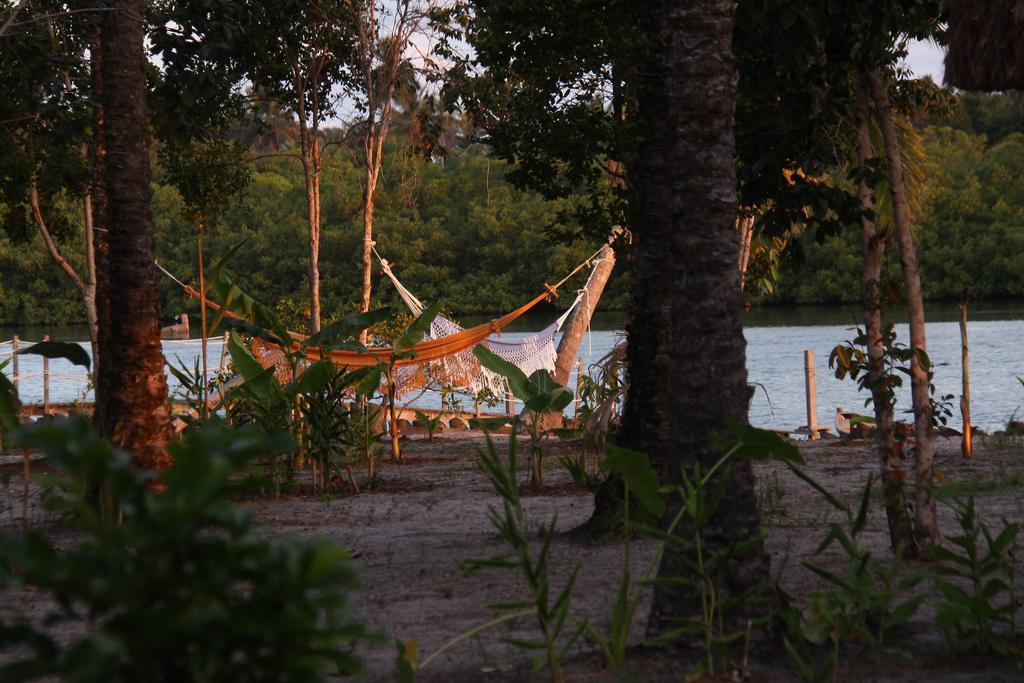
[[460, 371]]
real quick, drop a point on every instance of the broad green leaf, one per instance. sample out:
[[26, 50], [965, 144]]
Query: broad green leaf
[[370, 383], [57, 349], [638, 475], [759, 444], [315, 377], [346, 327], [517, 381], [9, 408], [414, 333], [235, 300], [246, 363]]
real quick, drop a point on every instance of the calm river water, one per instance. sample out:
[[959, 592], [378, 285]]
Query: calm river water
[[776, 339]]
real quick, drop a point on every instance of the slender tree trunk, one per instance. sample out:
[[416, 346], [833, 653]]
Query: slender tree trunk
[[577, 325], [873, 242], [132, 390], [745, 228], [926, 528], [89, 294], [311, 170], [369, 201], [687, 354]]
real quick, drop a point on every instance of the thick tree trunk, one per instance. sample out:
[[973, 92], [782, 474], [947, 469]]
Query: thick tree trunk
[[98, 191], [132, 391], [577, 324], [687, 353], [873, 242], [926, 528]]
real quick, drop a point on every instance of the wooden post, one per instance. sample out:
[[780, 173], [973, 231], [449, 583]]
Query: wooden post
[[396, 452], [812, 401], [203, 391], [476, 408], [46, 381], [224, 354], [966, 447], [579, 375], [14, 362], [510, 403]]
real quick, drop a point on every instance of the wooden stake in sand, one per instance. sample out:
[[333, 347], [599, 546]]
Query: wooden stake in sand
[[966, 447], [812, 400], [46, 382]]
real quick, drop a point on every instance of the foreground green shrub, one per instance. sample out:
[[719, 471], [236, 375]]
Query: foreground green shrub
[[180, 588]]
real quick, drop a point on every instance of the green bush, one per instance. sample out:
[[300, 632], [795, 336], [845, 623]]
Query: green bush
[[181, 589]]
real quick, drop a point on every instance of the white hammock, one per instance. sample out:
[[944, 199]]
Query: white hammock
[[462, 370]]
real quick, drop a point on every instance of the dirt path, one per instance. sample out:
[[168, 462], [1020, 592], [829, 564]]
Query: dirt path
[[431, 511]]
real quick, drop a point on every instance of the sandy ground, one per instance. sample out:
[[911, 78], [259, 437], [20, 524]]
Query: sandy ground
[[432, 511]]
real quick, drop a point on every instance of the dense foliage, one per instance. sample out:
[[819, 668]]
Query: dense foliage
[[181, 588], [968, 231], [458, 232]]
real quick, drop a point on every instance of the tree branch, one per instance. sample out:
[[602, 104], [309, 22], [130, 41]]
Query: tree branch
[[51, 246]]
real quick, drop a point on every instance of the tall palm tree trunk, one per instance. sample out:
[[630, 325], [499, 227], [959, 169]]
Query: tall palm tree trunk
[[687, 354], [926, 527], [873, 241], [132, 391]]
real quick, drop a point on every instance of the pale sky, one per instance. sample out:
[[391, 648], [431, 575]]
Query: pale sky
[[925, 59]]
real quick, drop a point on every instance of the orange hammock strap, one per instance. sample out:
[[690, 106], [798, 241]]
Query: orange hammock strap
[[428, 350]]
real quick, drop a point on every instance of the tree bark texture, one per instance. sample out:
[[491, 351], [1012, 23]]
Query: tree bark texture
[[369, 200], [311, 171], [98, 192], [578, 323], [745, 230], [687, 353], [132, 390], [873, 242], [926, 526]]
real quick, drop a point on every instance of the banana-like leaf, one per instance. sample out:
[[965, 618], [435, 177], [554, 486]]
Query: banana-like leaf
[[347, 327], [638, 475], [759, 444], [9, 408], [547, 395], [315, 377], [370, 383], [246, 363], [517, 381], [237, 301], [73, 353], [414, 333]]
